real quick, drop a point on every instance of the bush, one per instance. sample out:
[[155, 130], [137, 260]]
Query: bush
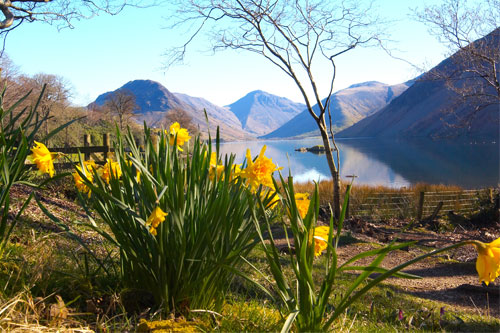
[[182, 220]]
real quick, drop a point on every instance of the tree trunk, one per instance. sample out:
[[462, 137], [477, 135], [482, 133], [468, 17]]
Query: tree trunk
[[334, 171]]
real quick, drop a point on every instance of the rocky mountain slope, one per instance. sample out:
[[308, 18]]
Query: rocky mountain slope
[[260, 112], [430, 108], [348, 106], [154, 101]]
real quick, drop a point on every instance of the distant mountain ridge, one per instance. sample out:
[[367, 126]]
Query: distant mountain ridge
[[430, 109], [256, 113], [348, 106], [260, 112], [154, 101]]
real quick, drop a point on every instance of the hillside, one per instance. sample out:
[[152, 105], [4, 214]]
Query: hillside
[[154, 101], [348, 106], [429, 108], [260, 112]]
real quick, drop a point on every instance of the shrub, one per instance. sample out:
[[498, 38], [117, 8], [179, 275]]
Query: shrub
[[183, 224]]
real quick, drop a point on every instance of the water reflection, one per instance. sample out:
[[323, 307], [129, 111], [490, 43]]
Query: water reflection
[[393, 163]]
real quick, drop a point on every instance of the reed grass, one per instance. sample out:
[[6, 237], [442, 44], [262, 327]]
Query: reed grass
[[360, 191]]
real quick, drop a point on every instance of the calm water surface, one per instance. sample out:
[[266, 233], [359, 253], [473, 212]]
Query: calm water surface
[[395, 163]]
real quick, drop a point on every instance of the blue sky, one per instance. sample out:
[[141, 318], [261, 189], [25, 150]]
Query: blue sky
[[105, 52]]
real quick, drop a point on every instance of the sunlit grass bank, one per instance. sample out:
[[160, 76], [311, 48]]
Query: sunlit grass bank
[[50, 284], [48, 288]]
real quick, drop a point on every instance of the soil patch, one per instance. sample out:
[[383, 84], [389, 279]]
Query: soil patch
[[450, 277]]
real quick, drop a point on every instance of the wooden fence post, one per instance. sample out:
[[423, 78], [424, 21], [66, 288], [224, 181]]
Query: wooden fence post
[[154, 140], [420, 206], [86, 143], [347, 190], [106, 142]]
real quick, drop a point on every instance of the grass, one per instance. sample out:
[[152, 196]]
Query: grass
[[382, 202], [360, 192], [50, 283]]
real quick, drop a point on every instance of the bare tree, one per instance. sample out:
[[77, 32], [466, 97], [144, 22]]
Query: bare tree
[[9, 70], [60, 13], [302, 38], [183, 118], [55, 96], [472, 34], [122, 104], [9, 78]]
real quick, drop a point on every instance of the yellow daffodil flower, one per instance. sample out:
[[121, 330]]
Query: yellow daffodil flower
[[320, 239], [43, 159], [215, 169], [182, 135], [236, 171], [154, 220], [87, 171], [109, 168], [488, 260], [302, 201], [259, 171], [273, 195]]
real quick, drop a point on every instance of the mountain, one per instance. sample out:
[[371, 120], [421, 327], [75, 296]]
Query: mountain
[[149, 96], [260, 112], [213, 111], [154, 101], [348, 106], [430, 108]]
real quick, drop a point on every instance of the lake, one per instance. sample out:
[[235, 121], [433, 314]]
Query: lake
[[395, 163]]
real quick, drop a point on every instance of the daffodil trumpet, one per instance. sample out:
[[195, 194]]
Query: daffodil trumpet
[[488, 260]]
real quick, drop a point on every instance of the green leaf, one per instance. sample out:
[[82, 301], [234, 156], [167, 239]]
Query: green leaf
[[289, 321], [379, 270]]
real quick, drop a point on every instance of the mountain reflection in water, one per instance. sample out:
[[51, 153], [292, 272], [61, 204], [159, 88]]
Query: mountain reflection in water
[[395, 163]]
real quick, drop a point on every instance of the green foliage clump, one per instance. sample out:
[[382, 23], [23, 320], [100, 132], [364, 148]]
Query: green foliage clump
[[187, 260]]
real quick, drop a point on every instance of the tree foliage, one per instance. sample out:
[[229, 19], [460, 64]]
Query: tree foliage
[[122, 104], [55, 104], [183, 118]]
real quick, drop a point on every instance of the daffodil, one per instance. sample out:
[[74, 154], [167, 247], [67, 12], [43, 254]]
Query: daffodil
[[110, 168], [259, 172], [273, 196], [215, 169], [302, 201], [87, 171], [236, 171], [43, 159], [488, 260], [154, 220], [320, 239], [181, 134]]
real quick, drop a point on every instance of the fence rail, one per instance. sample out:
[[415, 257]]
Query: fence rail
[[87, 150], [420, 204]]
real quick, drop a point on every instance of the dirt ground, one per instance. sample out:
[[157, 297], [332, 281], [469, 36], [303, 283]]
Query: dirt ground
[[449, 277]]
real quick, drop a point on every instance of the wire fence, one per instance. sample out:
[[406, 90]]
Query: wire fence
[[421, 204]]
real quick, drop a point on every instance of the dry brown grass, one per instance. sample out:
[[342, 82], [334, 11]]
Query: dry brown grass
[[23, 313], [360, 192]]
